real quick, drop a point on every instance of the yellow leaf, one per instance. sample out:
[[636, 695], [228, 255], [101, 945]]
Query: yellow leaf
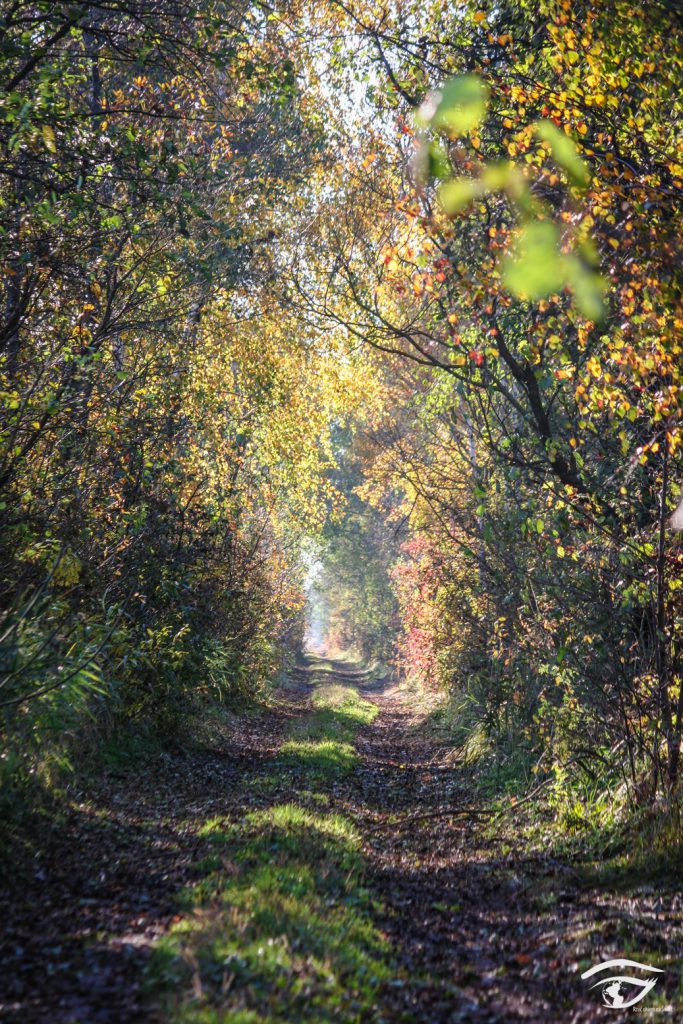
[[49, 138]]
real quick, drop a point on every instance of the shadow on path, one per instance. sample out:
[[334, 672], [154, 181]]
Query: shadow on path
[[475, 935]]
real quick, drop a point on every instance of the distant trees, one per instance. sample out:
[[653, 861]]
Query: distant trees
[[356, 553]]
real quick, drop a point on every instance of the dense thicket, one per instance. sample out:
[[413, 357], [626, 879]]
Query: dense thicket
[[526, 293], [163, 437]]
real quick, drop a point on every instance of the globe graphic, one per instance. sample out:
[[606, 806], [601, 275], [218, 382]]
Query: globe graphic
[[613, 995]]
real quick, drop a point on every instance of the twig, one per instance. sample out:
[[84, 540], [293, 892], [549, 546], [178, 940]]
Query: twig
[[442, 812], [446, 812], [524, 800]]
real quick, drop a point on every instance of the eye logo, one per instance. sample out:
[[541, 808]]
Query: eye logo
[[614, 990]]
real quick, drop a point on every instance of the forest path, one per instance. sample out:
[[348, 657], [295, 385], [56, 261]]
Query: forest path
[[477, 935], [279, 872]]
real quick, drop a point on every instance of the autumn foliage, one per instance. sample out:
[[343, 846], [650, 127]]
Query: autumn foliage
[[523, 296], [435, 327]]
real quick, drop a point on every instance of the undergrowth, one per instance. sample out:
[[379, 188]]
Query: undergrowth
[[590, 818]]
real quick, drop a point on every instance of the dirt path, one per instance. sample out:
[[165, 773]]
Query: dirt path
[[490, 938], [453, 929]]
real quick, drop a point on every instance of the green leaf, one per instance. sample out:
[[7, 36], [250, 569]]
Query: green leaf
[[461, 105], [588, 287], [438, 165], [498, 175], [458, 193], [535, 267], [564, 152]]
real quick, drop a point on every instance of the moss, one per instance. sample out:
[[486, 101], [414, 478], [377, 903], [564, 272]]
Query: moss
[[319, 757], [281, 927], [287, 935]]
